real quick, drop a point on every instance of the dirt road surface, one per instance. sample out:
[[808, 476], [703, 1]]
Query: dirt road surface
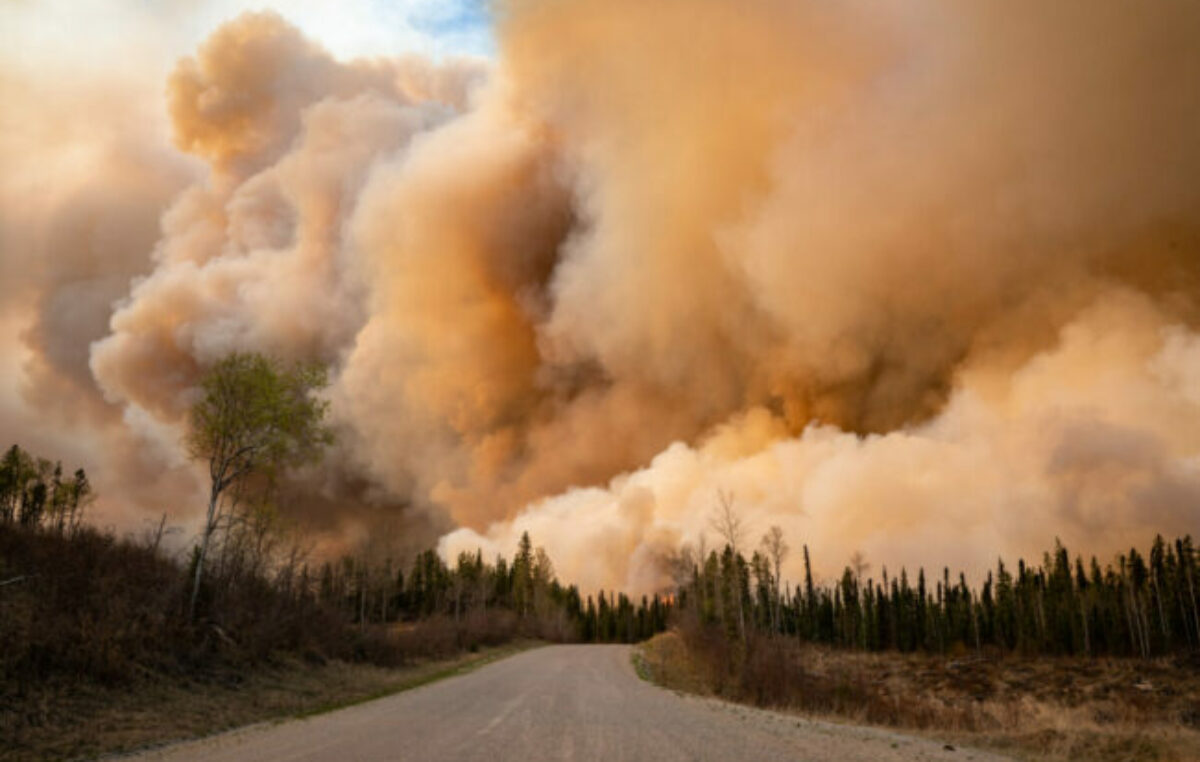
[[555, 703]]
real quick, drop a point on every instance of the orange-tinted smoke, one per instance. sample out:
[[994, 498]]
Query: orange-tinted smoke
[[863, 263]]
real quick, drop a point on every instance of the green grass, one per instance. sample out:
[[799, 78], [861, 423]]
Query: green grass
[[640, 666]]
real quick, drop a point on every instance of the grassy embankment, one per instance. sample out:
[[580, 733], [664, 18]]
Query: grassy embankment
[[1042, 709], [98, 653], [81, 720]]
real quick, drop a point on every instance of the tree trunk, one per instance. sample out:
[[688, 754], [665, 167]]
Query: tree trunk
[[1192, 590], [1144, 614], [362, 600], [778, 601], [1083, 615], [1162, 616], [158, 535], [213, 497], [975, 625]]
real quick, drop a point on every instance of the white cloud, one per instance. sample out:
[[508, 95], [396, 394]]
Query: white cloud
[[129, 33]]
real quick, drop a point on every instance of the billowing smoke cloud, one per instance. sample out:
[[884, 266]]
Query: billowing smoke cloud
[[935, 227], [256, 256], [1094, 440], [80, 200], [248, 256], [916, 281]]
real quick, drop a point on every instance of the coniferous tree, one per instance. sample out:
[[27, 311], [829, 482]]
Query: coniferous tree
[[1143, 605]]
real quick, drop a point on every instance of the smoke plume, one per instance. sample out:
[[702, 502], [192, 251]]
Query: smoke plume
[[914, 280]]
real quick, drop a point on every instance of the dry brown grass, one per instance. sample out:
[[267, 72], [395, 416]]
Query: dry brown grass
[[82, 720], [1043, 709]]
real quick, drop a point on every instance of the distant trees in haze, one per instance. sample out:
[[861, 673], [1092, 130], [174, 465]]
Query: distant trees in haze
[[34, 492], [774, 550], [85, 605], [1140, 605], [526, 587]]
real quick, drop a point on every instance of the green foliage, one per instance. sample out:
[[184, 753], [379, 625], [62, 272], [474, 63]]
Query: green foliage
[[254, 417], [257, 415]]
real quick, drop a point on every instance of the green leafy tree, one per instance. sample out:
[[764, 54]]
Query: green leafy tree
[[253, 418]]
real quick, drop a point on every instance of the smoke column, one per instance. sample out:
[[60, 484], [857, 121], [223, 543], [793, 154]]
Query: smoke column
[[914, 280]]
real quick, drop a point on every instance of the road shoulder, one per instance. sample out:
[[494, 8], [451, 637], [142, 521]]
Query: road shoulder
[[86, 722]]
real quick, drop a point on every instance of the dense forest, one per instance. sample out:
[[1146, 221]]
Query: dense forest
[[33, 491], [527, 587], [81, 602], [1141, 605], [1044, 653], [76, 602]]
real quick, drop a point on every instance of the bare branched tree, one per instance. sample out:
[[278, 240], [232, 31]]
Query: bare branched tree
[[726, 522], [858, 563], [776, 549], [680, 565]]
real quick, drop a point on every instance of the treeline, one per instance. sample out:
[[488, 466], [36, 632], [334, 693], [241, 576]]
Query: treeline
[[76, 602], [1141, 605], [381, 593], [34, 491]]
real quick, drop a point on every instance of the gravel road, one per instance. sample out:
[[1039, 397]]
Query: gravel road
[[555, 703]]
